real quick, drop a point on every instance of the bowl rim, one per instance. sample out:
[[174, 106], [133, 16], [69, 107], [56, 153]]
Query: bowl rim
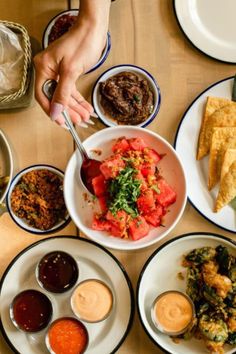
[[148, 75], [15, 179], [11, 166], [49, 25], [135, 244]]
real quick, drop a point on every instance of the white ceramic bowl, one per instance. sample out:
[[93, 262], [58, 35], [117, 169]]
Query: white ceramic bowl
[[6, 163], [74, 12], [21, 222], [96, 96], [81, 211]]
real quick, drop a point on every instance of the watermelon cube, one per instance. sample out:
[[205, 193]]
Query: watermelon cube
[[167, 195], [121, 146], [111, 167], [146, 201], [137, 144], [99, 185], [138, 228]]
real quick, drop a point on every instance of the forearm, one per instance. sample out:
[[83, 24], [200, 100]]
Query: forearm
[[95, 11]]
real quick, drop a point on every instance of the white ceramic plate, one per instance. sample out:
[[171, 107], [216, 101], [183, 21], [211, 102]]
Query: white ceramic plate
[[196, 172], [81, 211], [6, 163], [210, 26], [94, 261], [159, 275]]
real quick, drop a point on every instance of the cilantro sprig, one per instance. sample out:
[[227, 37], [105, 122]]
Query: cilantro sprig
[[124, 191]]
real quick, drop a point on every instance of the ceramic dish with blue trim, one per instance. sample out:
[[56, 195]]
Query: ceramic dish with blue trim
[[133, 98], [20, 189], [73, 13], [196, 171]]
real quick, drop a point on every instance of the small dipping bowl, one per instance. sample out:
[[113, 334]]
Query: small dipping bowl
[[57, 272], [67, 335], [31, 311], [92, 301], [173, 313]]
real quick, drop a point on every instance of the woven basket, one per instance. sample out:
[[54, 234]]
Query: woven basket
[[16, 98]]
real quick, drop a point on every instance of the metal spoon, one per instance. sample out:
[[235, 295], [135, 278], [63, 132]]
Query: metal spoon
[[90, 167]]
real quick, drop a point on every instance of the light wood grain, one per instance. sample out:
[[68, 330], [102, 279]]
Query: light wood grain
[[144, 33]]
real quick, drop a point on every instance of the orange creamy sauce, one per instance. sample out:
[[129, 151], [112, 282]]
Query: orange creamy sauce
[[68, 336], [173, 312], [92, 301]]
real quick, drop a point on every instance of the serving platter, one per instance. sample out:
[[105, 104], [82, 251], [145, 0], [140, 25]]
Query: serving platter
[[94, 261], [209, 26], [196, 172], [157, 276]]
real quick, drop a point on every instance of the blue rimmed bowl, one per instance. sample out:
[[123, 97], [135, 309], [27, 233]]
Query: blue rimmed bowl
[[74, 12], [114, 70], [22, 222]]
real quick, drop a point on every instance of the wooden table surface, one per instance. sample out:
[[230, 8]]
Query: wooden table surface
[[144, 33]]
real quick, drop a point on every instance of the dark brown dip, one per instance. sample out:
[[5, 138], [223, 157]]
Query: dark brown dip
[[57, 272], [31, 310], [127, 98], [61, 26]]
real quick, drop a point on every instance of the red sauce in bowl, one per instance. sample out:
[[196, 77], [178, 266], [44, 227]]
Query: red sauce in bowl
[[67, 336], [31, 311], [61, 26]]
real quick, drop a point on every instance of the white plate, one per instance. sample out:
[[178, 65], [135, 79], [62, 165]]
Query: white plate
[[6, 163], [94, 261], [210, 26], [82, 212], [197, 171], [156, 277]]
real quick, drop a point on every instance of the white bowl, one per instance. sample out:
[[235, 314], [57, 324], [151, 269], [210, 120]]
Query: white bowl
[[96, 96], [21, 222], [74, 12], [81, 211]]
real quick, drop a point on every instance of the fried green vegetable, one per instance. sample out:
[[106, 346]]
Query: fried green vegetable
[[232, 273], [211, 296], [212, 329], [224, 259], [193, 278], [201, 255]]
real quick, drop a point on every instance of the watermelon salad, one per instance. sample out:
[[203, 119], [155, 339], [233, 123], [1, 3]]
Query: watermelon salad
[[132, 194]]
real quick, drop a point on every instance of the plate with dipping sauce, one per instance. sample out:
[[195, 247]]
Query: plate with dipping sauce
[[88, 265], [164, 309]]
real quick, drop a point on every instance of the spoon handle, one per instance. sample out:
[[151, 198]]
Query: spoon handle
[[74, 134]]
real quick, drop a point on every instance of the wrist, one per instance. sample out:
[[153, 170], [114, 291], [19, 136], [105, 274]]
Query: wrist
[[95, 13]]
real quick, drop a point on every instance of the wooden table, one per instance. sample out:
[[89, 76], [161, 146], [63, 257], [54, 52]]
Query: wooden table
[[144, 33]]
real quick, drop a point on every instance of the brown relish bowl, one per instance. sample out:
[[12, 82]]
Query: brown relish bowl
[[135, 102], [48, 215]]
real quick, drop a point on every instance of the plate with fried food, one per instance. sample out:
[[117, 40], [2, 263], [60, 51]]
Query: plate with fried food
[[206, 144], [202, 269]]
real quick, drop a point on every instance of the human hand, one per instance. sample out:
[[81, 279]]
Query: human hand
[[65, 60]]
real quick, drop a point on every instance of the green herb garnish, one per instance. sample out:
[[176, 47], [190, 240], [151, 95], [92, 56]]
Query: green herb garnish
[[136, 98], [155, 188], [124, 191]]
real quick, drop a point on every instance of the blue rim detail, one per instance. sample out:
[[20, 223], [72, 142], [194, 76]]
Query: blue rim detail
[[176, 141], [131, 291], [194, 45], [153, 115], [149, 260], [104, 56], [46, 232]]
